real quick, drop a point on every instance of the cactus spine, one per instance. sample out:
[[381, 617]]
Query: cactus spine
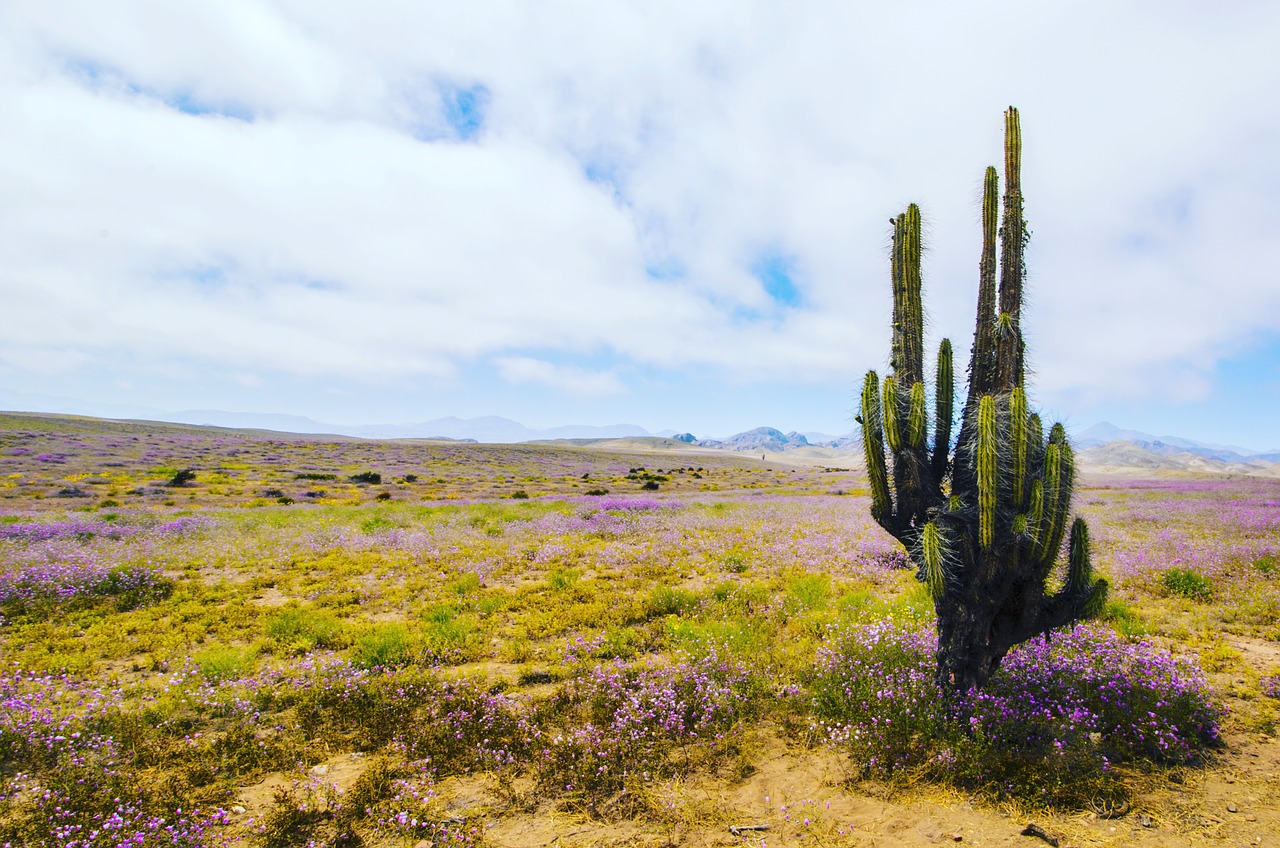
[[983, 523]]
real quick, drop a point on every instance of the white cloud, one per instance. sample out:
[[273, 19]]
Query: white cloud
[[577, 381], [323, 238]]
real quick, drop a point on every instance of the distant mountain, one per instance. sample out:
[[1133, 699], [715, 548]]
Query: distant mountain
[[1123, 456], [1105, 433], [247, 421], [770, 439]]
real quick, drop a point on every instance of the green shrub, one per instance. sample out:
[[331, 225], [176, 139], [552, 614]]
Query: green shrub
[[376, 524], [670, 600], [749, 638], [386, 645], [371, 477], [808, 591], [448, 636], [560, 579], [1187, 584], [301, 629], [224, 662], [464, 584], [182, 478], [1123, 619]]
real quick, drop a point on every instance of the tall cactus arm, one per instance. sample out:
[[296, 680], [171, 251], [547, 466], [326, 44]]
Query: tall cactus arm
[[1057, 502], [908, 310], [892, 415], [1082, 596], [1009, 347], [932, 556], [982, 356], [1018, 445], [1079, 566], [1045, 552], [1035, 441], [944, 411], [987, 466], [1035, 514], [917, 421], [873, 447]]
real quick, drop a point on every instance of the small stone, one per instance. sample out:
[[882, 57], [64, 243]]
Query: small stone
[[1147, 822], [1251, 817], [1229, 779], [320, 769], [1231, 808], [238, 810], [957, 837], [424, 843]]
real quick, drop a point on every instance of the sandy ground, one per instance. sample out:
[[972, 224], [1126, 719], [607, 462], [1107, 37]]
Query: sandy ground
[[797, 796]]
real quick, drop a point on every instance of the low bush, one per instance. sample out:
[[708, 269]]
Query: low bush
[[384, 645], [220, 663], [670, 600], [43, 589], [300, 629], [1047, 729], [1186, 583], [182, 478], [449, 637], [619, 723], [560, 579]]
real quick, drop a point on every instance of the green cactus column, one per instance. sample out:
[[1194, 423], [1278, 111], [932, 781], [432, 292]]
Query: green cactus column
[[987, 544]]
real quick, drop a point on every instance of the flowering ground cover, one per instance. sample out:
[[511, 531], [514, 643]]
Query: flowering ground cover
[[447, 662]]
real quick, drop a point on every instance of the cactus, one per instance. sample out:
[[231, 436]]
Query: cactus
[[984, 524]]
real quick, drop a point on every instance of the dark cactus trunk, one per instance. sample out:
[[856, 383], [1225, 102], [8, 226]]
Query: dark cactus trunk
[[987, 544], [965, 655]]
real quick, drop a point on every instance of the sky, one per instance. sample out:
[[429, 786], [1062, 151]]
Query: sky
[[669, 214]]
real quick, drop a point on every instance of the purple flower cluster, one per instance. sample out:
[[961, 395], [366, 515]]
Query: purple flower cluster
[[74, 584], [126, 826], [1085, 695], [85, 530], [1138, 701], [618, 721], [74, 786], [1215, 528], [631, 504]]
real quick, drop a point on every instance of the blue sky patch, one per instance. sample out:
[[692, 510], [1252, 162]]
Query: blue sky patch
[[464, 109], [206, 277], [776, 271], [665, 269], [189, 104], [99, 77]]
